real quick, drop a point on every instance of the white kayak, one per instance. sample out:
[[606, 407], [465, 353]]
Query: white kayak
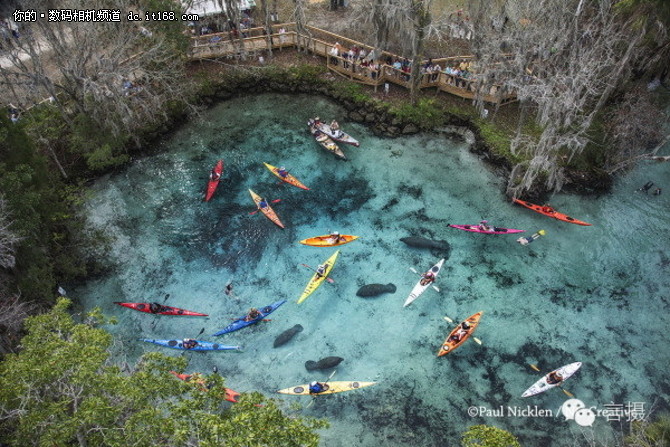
[[542, 385], [337, 135], [419, 288]]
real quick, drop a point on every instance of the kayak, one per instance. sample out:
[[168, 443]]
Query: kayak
[[201, 346], [449, 344], [166, 310], [230, 395], [240, 322], [327, 240], [542, 385], [549, 211], [317, 280], [337, 135], [331, 388], [418, 288], [529, 239], [268, 211], [476, 229], [325, 141], [212, 184], [291, 180]]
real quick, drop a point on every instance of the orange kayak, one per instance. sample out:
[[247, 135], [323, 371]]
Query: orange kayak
[[268, 211], [197, 378], [549, 211], [291, 180], [328, 241], [450, 343]]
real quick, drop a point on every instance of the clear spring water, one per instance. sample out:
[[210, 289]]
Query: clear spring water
[[596, 294]]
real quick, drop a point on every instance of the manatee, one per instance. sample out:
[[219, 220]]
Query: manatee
[[287, 335], [441, 247], [376, 289], [325, 363]]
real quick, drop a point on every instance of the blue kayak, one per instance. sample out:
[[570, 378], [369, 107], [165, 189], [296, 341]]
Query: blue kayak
[[241, 322], [201, 346]]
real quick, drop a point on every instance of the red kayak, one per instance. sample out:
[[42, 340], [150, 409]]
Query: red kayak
[[231, 395], [549, 211], [488, 230], [160, 309], [214, 178]]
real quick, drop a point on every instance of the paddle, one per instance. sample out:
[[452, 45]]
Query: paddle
[[265, 319], [330, 280], [478, 341], [414, 271], [567, 393], [273, 201]]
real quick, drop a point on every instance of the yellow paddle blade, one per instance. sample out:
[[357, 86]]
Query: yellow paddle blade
[[542, 232], [534, 367], [448, 319], [478, 341], [567, 393]]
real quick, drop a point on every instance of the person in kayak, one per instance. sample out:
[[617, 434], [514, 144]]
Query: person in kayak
[[554, 378], [317, 387], [263, 204], [189, 343], [320, 271], [155, 308], [427, 278], [463, 329], [214, 176], [547, 209], [252, 315], [657, 192], [283, 173], [335, 237], [484, 227]]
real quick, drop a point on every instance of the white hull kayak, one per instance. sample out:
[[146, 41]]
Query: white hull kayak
[[419, 289], [338, 135], [542, 385]]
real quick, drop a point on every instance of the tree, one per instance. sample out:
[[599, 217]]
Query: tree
[[62, 389], [562, 58], [8, 239], [112, 74], [488, 436]]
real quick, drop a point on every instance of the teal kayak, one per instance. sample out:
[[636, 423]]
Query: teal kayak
[[200, 346]]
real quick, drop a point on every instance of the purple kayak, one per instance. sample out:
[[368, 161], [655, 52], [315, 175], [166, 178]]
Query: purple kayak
[[491, 230]]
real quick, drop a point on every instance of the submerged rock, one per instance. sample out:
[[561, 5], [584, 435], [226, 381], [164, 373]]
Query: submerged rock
[[376, 289], [325, 363], [287, 335]]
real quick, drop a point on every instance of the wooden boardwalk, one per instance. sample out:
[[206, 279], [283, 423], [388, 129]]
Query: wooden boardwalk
[[254, 43]]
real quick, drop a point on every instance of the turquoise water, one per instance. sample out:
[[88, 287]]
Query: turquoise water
[[596, 294]]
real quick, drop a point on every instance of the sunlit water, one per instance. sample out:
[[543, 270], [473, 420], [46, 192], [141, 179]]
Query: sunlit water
[[596, 294]]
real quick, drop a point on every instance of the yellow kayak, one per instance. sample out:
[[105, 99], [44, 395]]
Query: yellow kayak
[[328, 241], [317, 280], [268, 211], [291, 180], [331, 388]]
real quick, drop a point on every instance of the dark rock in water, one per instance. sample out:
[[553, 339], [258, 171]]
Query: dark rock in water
[[441, 247], [287, 335], [325, 363], [376, 289]]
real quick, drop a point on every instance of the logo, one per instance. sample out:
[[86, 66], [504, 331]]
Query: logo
[[576, 410]]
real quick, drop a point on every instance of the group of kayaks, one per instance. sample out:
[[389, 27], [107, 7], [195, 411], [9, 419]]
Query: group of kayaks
[[327, 135]]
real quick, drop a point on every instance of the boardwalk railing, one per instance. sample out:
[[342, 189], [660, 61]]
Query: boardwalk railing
[[254, 42]]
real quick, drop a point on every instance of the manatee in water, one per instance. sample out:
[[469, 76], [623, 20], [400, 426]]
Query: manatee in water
[[287, 335], [376, 289], [422, 242], [325, 363]]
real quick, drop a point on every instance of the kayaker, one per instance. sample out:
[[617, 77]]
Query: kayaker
[[214, 176], [335, 237], [427, 278], [253, 314], [317, 387], [317, 121], [282, 172], [554, 378], [462, 330], [657, 192], [484, 227], [155, 308], [547, 209], [263, 203], [334, 125], [189, 343], [320, 270]]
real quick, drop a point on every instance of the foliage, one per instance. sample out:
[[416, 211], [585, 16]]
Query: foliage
[[426, 114], [61, 389], [488, 436], [649, 434]]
